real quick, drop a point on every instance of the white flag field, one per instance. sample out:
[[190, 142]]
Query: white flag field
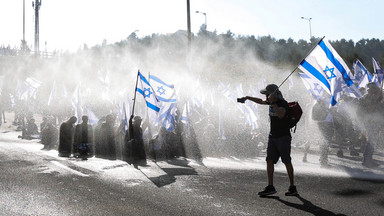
[[325, 66]]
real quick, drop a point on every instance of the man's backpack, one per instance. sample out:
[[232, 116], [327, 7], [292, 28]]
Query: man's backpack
[[294, 114]]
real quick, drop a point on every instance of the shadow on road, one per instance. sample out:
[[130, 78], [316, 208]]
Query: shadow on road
[[307, 206], [179, 167], [364, 174]]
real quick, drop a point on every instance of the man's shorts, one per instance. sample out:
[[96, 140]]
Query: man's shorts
[[279, 147]]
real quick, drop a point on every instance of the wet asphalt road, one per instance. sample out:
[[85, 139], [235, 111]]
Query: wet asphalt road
[[33, 182]]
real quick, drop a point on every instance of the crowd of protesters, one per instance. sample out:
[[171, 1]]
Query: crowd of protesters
[[353, 124]]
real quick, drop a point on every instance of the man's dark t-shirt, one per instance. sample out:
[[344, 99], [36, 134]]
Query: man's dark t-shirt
[[279, 126]]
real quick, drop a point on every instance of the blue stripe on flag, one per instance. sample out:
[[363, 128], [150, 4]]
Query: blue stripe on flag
[[315, 73], [140, 91], [166, 100], [160, 81], [144, 79], [153, 107], [337, 64]]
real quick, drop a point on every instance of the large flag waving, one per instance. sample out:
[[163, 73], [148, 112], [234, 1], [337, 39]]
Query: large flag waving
[[312, 86], [326, 66], [147, 91], [31, 85], [362, 75], [165, 93], [378, 70], [153, 105]]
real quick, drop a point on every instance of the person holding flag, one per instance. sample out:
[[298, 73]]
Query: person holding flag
[[134, 143], [279, 139]]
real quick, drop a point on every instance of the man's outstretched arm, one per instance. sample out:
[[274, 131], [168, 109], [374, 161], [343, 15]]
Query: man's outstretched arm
[[254, 99]]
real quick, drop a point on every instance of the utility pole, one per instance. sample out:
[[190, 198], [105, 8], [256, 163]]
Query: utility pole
[[189, 24], [23, 21], [36, 5]]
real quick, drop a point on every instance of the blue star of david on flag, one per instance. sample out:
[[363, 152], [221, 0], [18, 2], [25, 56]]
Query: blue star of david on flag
[[165, 92], [167, 97], [318, 88], [363, 76], [328, 69], [147, 92], [329, 72], [358, 75], [160, 90]]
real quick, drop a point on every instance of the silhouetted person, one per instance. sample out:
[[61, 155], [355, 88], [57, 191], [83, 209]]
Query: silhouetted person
[[83, 142], [98, 138], [66, 137], [279, 140], [49, 136], [43, 123], [321, 113], [136, 143], [30, 131], [108, 137], [370, 111]]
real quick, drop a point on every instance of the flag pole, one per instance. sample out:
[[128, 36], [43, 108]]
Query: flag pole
[[134, 97], [301, 61]]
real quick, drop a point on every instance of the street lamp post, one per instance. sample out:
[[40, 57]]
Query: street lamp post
[[205, 16], [310, 30]]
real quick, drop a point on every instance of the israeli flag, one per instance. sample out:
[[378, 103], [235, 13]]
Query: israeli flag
[[185, 114], [53, 94], [93, 120], [312, 86], [166, 95], [76, 103], [58, 92], [148, 93], [30, 88], [362, 75], [164, 92], [378, 70], [168, 116], [325, 66]]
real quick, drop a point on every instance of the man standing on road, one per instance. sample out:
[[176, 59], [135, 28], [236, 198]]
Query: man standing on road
[[279, 140]]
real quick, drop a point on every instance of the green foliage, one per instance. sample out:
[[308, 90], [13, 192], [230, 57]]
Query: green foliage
[[226, 53]]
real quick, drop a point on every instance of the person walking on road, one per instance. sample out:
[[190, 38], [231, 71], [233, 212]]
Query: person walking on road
[[279, 139]]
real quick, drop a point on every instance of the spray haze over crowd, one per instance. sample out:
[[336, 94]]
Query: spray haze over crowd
[[106, 76], [211, 74]]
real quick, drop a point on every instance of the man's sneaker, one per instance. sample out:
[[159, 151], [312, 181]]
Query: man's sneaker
[[269, 190], [291, 191]]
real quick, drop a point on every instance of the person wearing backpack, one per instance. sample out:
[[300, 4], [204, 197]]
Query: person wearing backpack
[[279, 139]]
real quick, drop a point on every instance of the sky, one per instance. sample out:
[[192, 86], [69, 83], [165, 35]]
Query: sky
[[66, 25]]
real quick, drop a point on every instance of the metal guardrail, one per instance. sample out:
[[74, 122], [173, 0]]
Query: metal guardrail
[[18, 52]]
